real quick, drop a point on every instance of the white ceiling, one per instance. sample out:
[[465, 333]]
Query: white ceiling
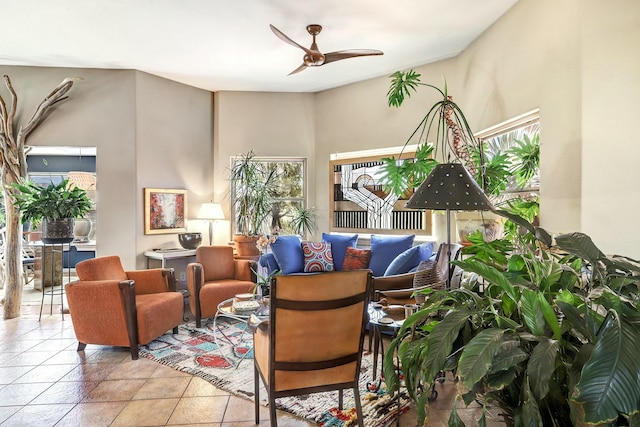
[[227, 44]]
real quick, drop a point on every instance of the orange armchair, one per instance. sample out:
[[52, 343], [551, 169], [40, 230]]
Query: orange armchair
[[215, 277], [111, 306]]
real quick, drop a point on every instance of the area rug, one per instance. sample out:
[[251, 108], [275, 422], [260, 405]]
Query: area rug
[[227, 363]]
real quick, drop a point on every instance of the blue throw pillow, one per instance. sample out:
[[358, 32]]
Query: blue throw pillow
[[269, 262], [385, 249], [287, 251], [409, 259], [339, 245]]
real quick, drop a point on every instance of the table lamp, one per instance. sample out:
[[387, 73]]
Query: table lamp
[[211, 212]]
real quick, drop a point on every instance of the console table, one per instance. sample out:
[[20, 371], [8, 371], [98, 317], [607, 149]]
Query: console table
[[163, 255]]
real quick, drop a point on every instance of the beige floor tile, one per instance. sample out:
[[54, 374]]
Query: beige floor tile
[[66, 357], [157, 388], [65, 392], [45, 373], [38, 415], [199, 387], [141, 368], [30, 358], [106, 354], [153, 412], [115, 390], [10, 374], [100, 414], [21, 394], [239, 409], [55, 344], [195, 410], [7, 411], [163, 371], [89, 372]]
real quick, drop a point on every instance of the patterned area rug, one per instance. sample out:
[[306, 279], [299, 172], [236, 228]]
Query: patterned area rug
[[225, 359]]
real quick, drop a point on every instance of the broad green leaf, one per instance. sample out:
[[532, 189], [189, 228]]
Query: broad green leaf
[[478, 354], [491, 274], [541, 366], [610, 384], [578, 319], [441, 339], [549, 315], [531, 313], [454, 419], [501, 379], [530, 413], [581, 245]]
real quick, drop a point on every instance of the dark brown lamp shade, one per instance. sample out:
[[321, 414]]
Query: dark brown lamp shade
[[449, 186]]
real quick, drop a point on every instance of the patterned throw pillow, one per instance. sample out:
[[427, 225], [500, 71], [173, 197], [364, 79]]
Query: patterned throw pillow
[[356, 259], [317, 257]]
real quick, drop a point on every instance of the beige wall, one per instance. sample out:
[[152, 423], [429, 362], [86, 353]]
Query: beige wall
[[574, 60], [149, 132], [611, 104], [272, 124]]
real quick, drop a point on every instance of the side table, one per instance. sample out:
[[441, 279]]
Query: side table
[[167, 254]]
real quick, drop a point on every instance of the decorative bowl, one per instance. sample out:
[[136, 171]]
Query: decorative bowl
[[190, 240]]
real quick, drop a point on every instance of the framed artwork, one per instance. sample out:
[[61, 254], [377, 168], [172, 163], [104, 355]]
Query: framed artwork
[[165, 211]]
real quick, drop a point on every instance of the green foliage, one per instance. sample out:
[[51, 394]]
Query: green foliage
[[401, 85], [304, 220], [526, 153], [253, 187], [55, 201], [551, 337]]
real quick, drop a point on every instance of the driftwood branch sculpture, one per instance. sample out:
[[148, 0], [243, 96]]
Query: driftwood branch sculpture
[[13, 165]]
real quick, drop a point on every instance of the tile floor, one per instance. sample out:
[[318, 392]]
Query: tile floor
[[44, 381]]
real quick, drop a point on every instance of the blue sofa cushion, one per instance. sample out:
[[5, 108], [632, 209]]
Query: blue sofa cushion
[[385, 249], [409, 259], [339, 245], [269, 262], [287, 251]]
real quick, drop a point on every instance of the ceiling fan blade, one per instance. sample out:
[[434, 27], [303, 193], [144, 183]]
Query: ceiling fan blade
[[351, 53], [282, 36], [297, 70]]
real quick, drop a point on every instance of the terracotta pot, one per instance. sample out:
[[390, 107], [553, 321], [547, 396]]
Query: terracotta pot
[[246, 245]]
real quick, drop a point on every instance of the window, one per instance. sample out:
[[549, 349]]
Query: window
[[359, 203], [289, 193]]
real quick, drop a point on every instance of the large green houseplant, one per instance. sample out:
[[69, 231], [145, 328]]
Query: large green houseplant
[[252, 189], [549, 334], [56, 205], [444, 135]]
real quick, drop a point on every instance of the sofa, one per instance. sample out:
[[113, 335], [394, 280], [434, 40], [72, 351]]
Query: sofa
[[392, 259]]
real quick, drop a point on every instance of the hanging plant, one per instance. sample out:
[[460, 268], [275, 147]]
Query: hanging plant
[[454, 139]]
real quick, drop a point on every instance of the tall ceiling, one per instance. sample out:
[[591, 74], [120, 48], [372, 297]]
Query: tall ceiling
[[228, 45]]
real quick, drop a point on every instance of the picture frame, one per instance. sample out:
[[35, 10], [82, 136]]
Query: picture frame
[[165, 211]]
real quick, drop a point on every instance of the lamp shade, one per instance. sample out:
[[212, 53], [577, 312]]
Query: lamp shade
[[449, 186], [210, 211]]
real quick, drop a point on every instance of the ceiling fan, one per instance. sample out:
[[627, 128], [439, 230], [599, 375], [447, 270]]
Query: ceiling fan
[[313, 57]]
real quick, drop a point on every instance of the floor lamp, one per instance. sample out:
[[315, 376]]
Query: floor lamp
[[449, 187], [211, 212]]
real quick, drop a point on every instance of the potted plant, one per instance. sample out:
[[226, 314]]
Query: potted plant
[[252, 188], [547, 333], [56, 205]]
